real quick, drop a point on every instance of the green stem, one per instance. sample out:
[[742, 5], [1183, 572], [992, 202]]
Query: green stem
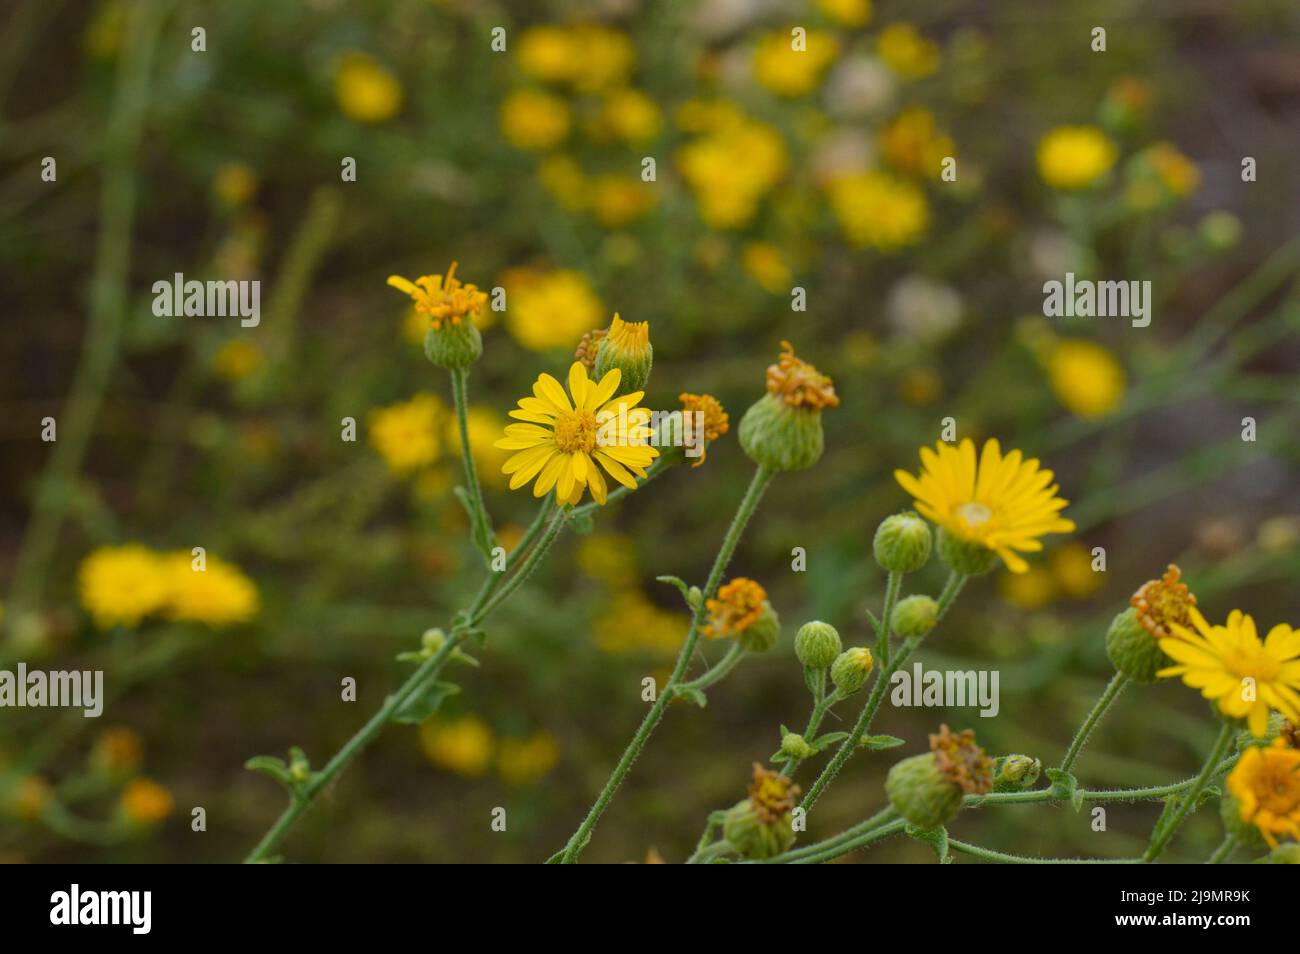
[[885, 628], [847, 842], [619, 492], [820, 708], [526, 569], [1111, 692], [1002, 857], [850, 745], [1223, 852], [719, 671], [748, 504], [1162, 834], [1151, 793], [482, 523]]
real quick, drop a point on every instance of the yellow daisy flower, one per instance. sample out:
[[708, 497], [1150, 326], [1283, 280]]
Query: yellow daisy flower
[[561, 441], [218, 595], [122, 585], [1231, 665], [1004, 503], [443, 298], [1266, 786]]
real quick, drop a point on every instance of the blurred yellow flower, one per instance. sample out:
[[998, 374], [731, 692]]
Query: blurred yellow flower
[[608, 557], [1071, 565], [617, 200], [1085, 377], [730, 170], [122, 585], [524, 761], [485, 426], [535, 120], [462, 746], [366, 91], [234, 183], [860, 349], [626, 115], [878, 210], [1266, 787], [103, 36], [787, 71], [117, 750], [219, 595], [146, 802], [920, 387], [907, 52], [562, 178], [912, 142], [1075, 157], [550, 309], [763, 263], [1030, 590], [849, 13], [1160, 174], [28, 797], [406, 433], [634, 624], [547, 53], [237, 359], [588, 57]]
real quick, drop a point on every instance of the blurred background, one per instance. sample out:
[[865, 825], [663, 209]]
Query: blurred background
[[772, 169]]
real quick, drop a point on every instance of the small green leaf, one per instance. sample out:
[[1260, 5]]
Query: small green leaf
[[778, 758], [682, 588], [424, 703], [880, 742], [830, 738], [1065, 786], [694, 695], [936, 838], [276, 768]]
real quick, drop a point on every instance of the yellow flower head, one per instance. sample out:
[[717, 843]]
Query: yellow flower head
[[218, 595], [406, 434], [627, 115], [1246, 676], [738, 605], [732, 166], [907, 52], [792, 72], [617, 200], [463, 746], [535, 120], [365, 90], [849, 13], [551, 309], [877, 210], [1163, 604], [912, 142], [1086, 378], [716, 420], [1075, 157], [633, 624], [764, 263], [28, 797], [798, 383], [1004, 503], [122, 585], [772, 795], [1266, 786], [546, 53], [237, 359], [604, 57], [443, 299], [524, 761], [146, 802], [560, 441], [117, 749]]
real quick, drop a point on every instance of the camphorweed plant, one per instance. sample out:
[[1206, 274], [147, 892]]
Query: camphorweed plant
[[977, 509]]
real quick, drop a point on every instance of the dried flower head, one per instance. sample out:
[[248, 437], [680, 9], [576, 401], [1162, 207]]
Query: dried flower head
[[716, 420], [1162, 602], [772, 795], [737, 606], [1290, 734], [962, 762], [798, 383], [587, 347]]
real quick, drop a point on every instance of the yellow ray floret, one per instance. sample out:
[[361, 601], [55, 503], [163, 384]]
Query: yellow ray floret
[[1244, 675], [563, 437], [1004, 503]]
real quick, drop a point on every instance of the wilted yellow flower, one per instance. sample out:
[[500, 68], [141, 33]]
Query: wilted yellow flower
[[1246, 676], [906, 51], [1266, 786], [550, 309], [1085, 377], [764, 263], [535, 120], [617, 200], [406, 434], [716, 419], [634, 624], [738, 605], [878, 210], [1003, 503], [730, 170], [787, 71], [463, 746], [365, 90], [560, 442], [912, 142], [484, 425], [1075, 157], [145, 802], [237, 359], [627, 115], [122, 585], [234, 183], [524, 761], [445, 298], [1071, 565], [849, 13], [219, 595]]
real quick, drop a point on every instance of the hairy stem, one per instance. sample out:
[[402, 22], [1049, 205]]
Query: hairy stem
[[1108, 697], [482, 523], [1162, 834]]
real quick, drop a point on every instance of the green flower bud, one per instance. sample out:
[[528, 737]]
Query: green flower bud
[[760, 826], [782, 430], [920, 792], [762, 634], [1237, 827], [914, 616], [627, 347], [902, 543], [1220, 230], [1015, 773], [965, 556], [299, 767], [817, 644], [1132, 650], [851, 669], [453, 346], [793, 745]]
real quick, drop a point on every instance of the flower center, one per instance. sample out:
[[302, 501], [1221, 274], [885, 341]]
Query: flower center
[[575, 432], [974, 513], [1247, 664]]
